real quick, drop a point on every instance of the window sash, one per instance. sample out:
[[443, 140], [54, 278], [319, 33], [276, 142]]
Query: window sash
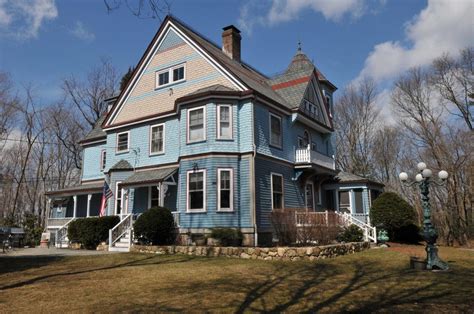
[[170, 75], [225, 189], [275, 130], [157, 139], [277, 191], [163, 78], [178, 73], [224, 122], [122, 141], [196, 189], [196, 124]]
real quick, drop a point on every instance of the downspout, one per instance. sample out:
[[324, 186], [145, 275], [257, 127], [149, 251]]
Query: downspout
[[252, 167]]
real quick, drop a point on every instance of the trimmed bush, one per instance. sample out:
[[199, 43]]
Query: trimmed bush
[[392, 213], [227, 236], [155, 226], [351, 234], [90, 232]]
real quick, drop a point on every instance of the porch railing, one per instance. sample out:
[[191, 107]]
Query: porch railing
[[120, 229], [308, 156], [326, 218], [370, 233], [61, 234]]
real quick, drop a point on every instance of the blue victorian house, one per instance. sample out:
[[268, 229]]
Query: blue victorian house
[[200, 132]]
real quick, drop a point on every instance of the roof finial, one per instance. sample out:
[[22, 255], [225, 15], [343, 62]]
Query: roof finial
[[299, 45]]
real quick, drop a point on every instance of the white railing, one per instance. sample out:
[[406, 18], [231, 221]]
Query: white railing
[[120, 229], [61, 234], [370, 233], [176, 218], [307, 156]]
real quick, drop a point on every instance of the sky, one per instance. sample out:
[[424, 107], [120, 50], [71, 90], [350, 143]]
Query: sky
[[45, 41]]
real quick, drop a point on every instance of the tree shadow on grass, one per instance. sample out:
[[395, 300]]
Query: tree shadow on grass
[[10, 264], [146, 261]]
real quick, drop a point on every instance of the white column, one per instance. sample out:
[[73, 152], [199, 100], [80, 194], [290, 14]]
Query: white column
[[161, 194], [89, 197], [48, 208], [74, 198]]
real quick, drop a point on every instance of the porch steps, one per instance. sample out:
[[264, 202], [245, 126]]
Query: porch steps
[[123, 244]]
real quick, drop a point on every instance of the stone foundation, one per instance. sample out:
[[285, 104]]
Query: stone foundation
[[268, 253]]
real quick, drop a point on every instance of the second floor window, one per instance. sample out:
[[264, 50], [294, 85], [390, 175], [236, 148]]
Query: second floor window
[[122, 142], [225, 190], [103, 159], [157, 139], [275, 130], [224, 122], [197, 124]]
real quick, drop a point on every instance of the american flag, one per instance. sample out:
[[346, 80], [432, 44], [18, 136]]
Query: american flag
[[106, 194]]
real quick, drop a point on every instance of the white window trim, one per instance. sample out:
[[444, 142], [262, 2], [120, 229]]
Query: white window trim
[[150, 139], [270, 130], [128, 143], [121, 198], [282, 188], [204, 177], [188, 141], [170, 75], [103, 153], [219, 209], [306, 196], [231, 122]]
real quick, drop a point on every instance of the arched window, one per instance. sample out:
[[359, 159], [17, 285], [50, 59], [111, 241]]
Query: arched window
[[306, 139]]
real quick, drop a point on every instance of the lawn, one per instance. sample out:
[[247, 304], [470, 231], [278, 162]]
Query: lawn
[[375, 280]]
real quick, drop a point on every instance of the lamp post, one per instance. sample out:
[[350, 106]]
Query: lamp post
[[423, 180]]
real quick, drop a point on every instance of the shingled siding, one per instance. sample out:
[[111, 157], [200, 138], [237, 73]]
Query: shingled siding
[[291, 131], [91, 162], [240, 217], [145, 97], [293, 192]]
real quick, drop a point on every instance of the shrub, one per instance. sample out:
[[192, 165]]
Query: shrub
[[91, 231], [284, 226], [408, 234], [227, 236], [155, 226], [394, 214], [351, 234]]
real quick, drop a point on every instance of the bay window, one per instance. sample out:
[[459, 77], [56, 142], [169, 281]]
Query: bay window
[[224, 122], [196, 197], [225, 192], [196, 124]]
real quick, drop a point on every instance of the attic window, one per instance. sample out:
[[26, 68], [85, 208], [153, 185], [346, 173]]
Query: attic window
[[170, 75], [310, 109]]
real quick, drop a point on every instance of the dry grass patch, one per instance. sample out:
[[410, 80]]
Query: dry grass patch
[[375, 280]]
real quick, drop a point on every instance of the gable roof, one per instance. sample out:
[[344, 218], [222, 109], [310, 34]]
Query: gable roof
[[241, 74]]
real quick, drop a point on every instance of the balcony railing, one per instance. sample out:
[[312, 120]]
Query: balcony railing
[[308, 156]]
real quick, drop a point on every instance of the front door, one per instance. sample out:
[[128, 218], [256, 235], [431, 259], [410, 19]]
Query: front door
[[309, 196]]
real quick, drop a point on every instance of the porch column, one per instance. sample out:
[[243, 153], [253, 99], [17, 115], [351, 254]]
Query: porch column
[[89, 197], [74, 198], [161, 194], [48, 207]]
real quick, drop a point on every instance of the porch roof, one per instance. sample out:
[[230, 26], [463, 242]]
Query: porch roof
[[85, 188], [346, 177], [149, 176]]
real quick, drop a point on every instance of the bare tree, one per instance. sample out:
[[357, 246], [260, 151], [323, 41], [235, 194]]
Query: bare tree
[[155, 9], [356, 121], [8, 107], [454, 79], [88, 95]]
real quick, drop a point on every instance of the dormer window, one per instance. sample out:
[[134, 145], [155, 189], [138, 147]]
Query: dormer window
[[310, 109], [171, 75]]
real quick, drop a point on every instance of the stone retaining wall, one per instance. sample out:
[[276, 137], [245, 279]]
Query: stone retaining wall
[[272, 253]]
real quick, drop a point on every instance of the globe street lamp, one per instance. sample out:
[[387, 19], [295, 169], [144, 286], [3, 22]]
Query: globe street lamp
[[423, 180]]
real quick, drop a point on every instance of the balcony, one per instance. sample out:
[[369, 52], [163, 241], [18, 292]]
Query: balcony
[[307, 157]]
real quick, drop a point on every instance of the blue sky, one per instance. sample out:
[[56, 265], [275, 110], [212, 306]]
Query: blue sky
[[42, 43]]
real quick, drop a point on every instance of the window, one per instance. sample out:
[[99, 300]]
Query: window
[[225, 192], [344, 201], [154, 195], [224, 122], [196, 191], [306, 139], [103, 159], [196, 124], [157, 139], [309, 195], [359, 203], [122, 142], [277, 191], [118, 199], [170, 75], [275, 130]]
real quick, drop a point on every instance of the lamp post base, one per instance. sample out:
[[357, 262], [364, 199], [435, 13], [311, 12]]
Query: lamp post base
[[432, 259]]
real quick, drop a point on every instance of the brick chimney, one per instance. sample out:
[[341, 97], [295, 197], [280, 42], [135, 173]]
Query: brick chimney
[[231, 42]]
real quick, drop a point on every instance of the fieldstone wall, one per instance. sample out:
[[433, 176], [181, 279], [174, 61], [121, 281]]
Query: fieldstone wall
[[273, 253]]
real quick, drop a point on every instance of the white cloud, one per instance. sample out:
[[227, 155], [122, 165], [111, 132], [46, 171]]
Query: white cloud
[[280, 11], [23, 19], [443, 26], [81, 32]]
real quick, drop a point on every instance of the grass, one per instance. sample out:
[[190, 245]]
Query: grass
[[375, 280]]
